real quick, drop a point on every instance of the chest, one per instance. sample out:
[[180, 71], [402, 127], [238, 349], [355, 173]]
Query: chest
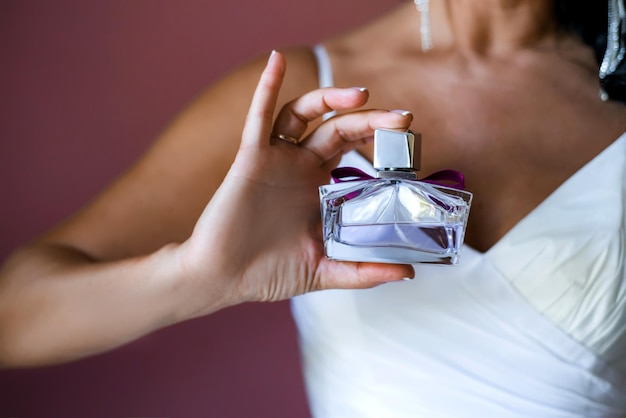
[[515, 141]]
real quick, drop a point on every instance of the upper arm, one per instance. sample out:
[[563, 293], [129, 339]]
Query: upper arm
[[158, 200]]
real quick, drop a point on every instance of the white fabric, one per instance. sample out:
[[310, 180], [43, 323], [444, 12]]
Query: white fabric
[[324, 72], [324, 67], [535, 327], [567, 256]]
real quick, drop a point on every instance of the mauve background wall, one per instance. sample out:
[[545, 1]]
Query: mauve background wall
[[84, 88]]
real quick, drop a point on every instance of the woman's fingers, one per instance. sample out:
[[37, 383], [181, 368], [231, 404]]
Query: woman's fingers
[[294, 117], [331, 138], [341, 133], [258, 126], [350, 275]]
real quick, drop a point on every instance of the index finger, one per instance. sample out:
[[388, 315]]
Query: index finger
[[258, 126]]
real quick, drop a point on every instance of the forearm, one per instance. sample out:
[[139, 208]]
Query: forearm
[[58, 305]]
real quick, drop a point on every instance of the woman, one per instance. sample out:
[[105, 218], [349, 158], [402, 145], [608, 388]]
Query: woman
[[532, 322], [501, 93]]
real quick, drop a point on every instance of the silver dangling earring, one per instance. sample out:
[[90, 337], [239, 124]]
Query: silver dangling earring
[[615, 43], [425, 33]]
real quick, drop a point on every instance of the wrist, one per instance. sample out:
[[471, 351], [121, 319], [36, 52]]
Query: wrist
[[195, 289]]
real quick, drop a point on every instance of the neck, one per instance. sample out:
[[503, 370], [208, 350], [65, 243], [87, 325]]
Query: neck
[[492, 27]]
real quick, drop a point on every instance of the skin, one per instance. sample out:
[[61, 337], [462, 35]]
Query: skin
[[503, 96], [258, 239]]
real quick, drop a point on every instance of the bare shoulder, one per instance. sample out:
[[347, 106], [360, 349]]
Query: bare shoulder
[[158, 200]]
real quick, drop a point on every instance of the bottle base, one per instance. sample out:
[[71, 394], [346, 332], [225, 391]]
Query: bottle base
[[391, 255]]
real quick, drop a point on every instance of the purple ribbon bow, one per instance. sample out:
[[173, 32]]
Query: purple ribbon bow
[[447, 178]]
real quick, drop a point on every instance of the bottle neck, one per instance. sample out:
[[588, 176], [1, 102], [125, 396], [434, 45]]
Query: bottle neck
[[399, 173]]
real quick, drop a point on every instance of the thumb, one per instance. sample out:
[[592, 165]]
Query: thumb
[[352, 275]]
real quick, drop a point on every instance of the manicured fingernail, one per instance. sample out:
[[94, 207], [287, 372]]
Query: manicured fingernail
[[407, 279], [361, 89], [402, 112], [272, 54]]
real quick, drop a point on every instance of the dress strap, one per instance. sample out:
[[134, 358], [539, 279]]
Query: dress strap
[[324, 71]]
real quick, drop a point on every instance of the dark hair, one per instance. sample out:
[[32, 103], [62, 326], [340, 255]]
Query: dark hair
[[589, 20]]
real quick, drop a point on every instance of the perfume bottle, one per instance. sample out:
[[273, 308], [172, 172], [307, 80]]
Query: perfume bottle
[[394, 217]]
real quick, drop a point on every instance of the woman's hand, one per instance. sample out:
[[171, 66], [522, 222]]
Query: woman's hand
[[259, 238]]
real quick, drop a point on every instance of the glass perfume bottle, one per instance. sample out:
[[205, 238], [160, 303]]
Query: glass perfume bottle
[[394, 218]]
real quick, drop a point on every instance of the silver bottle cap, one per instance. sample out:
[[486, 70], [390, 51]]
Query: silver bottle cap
[[396, 150]]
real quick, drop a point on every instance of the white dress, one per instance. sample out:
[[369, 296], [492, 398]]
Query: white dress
[[534, 327]]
